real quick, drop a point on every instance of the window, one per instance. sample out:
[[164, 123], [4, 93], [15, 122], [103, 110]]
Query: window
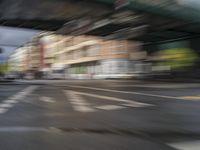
[[118, 48], [70, 55], [85, 51], [94, 50]]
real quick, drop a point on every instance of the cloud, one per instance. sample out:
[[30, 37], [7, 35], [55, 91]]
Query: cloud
[[11, 38], [15, 36]]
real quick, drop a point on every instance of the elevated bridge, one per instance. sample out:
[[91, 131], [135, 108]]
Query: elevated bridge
[[151, 21]]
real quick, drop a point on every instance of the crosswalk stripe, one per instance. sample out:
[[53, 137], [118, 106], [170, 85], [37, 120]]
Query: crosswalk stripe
[[110, 107], [47, 99], [131, 105], [3, 110], [5, 105], [78, 103], [11, 101], [130, 102], [15, 99]]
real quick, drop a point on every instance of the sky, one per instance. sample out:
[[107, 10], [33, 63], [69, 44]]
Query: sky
[[11, 38]]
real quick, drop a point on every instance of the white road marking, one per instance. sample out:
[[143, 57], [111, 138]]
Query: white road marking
[[194, 145], [25, 92], [4, 105], [130, 102], [78, 103], [17, 96], [170, 86], [15, 99], [11, 101], [110, 107], [126, 92], [3, 110], [131, 105], [47, 99]]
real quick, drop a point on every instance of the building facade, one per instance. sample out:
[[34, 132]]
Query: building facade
[[18, 60], [80, 56], [92, 57]]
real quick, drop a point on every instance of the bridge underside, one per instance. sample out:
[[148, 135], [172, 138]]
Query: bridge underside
[[88, 17]]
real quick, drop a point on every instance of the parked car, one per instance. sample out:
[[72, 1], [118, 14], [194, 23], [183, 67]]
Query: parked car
[[11, 75], [57, 74]]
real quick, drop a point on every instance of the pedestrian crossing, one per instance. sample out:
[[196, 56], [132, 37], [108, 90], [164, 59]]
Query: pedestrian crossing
[[10, 102], [81, 104], [79, 101]]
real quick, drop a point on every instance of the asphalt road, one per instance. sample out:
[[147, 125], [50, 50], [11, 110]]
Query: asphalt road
[[96, 115]]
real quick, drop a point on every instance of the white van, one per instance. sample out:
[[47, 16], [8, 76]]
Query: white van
[[57, 71], [57, 74]]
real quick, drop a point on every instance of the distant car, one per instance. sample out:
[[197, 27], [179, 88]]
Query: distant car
[[29, 76], [10, 75]]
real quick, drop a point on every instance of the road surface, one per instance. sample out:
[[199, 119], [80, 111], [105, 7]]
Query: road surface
[[96, 115]]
